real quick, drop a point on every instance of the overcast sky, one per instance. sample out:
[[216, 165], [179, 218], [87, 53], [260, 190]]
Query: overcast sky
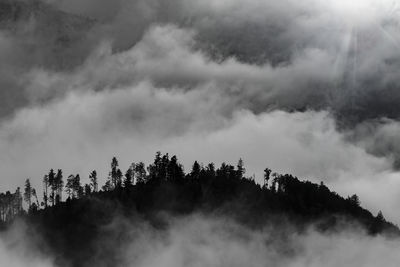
[[304, 87]]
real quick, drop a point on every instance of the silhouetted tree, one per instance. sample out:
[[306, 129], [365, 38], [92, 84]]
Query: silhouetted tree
[[73, 187], [119, 178], [58, 184], [154, 169], [69, 186], [275, 181], [140, 173], [129, 176], [115, 174], [267, 173], [78, 189], [45, 190], [34, 195], [210, 170], [53, 186], [354, 200], [17, 201], [378, 223], [380, 217], [226, 171], [195, 173], [28, 193], [241, 170], [175, 171], [93, 181]]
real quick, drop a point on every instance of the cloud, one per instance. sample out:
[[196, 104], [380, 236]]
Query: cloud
[[19, 251], [309, 54], [134, 122], [211, 240], [201, 240]]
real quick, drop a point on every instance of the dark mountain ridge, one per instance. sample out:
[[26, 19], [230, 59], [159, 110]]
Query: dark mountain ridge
[[78, 230]]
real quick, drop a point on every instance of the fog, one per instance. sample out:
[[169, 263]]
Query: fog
[[212, 240]]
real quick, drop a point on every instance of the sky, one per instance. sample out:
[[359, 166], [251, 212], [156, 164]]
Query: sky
[[306, 87]]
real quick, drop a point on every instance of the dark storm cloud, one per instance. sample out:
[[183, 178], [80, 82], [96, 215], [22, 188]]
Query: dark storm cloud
[[354, 79]]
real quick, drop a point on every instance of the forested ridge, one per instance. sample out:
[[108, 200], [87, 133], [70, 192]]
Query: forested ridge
[[71, 217]]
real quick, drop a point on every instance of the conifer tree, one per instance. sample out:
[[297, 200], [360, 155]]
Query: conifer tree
[[93, 181], [28, 193], [240, 169]]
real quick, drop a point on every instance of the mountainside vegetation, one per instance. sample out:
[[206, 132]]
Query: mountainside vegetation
[[73, 228]]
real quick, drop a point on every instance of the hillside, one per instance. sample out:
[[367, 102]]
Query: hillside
[[80, 227]]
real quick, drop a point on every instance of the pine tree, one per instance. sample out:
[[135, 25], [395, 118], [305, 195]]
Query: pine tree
[[140, 173], [195, 173], [129, 176], [267, 174], [28, 193], [93, 181], [34, 195], [240, 169], [53, 186], [45, 190], [76, 185], [69, 187], [115, 174], [58, 184]]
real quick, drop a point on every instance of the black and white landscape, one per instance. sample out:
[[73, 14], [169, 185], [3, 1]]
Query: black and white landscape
[[240, 97]]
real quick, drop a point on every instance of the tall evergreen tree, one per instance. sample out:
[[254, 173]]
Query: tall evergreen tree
[[28, 193], [17, 202], [196, 168], [241, 170], [154, 168], [53, 186], [34, 195], [77, 187], [45, 190], [93, 181], [175, 170], [267, 174], [210, 170], [115, 174], [69, 187], [140, 173], [58, 184], [129, 176]]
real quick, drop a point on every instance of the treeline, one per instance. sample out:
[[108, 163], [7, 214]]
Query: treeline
[[73, 218], [10, 205], [203, 186], [164, 168]]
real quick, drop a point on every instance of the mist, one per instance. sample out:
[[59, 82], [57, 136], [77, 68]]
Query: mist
[[214, 240]]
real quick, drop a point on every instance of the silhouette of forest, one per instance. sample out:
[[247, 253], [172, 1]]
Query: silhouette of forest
[[70, 217]]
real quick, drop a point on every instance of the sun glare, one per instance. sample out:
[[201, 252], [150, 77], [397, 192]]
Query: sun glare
[[359, 12]]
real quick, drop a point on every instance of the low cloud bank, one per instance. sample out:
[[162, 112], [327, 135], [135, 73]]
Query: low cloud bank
[[204, 240]]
